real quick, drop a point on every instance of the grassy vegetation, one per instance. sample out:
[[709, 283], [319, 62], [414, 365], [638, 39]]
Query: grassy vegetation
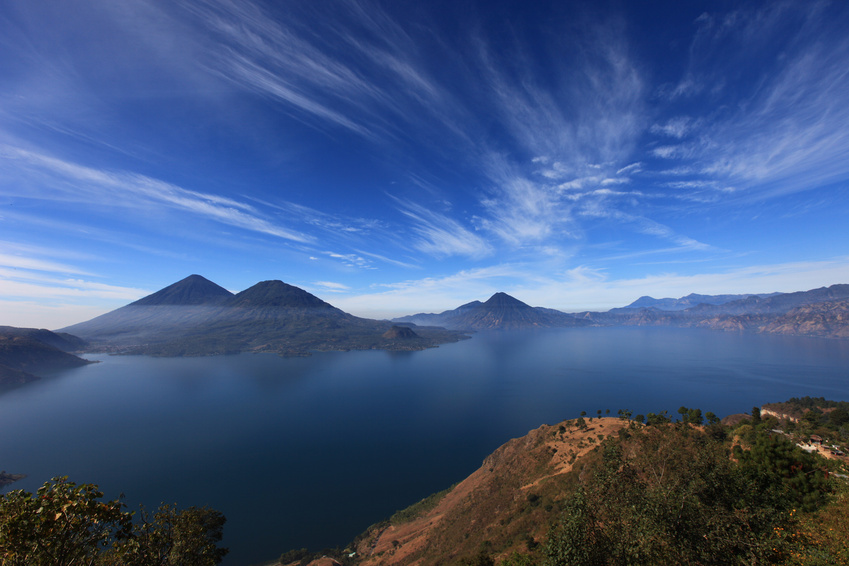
[[420, 508]]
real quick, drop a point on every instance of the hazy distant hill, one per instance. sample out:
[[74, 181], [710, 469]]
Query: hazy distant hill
[[691, 300], [818, 312], [444, 318], [780, 303], [184, 304], [61, 340], [501, 311], [27, 352], [197, 317], [828, 318]]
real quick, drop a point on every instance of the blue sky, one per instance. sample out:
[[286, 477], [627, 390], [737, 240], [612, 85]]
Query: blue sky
[[399, 157]]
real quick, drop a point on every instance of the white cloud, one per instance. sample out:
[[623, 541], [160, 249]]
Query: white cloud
[[351, 260], [331, 286], [28, 285], [675, 127], [433, 294], [789, 130], [670, 151], [441, 236], [130, 190], [32, 263]]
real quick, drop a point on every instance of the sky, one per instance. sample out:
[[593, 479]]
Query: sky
[[397, 157]]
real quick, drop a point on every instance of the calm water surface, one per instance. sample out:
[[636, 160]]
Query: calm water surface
[[310, 451]]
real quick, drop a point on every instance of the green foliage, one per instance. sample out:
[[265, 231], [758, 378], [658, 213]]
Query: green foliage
[[670, 495], [691, 416], [661, 418], [817, 402], [294, 555], [62, 524], [65, 524], [172, 538], [516, 559], [481, 559], [838, 417], [420, 507], [576, 541], [777, 460]]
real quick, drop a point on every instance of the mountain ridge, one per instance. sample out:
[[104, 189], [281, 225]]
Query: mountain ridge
[[26, 353], [500, 311], [689, 301], [195, 317], [193, 290]]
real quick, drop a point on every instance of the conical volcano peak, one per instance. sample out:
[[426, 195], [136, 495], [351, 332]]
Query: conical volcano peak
[[275, 293], [193, 290], [503, 300]]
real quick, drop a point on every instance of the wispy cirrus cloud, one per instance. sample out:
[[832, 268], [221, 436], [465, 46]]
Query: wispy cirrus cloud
[[677, 127], [10, 257], [580, 135], [441, 236], [381, 89], [351, 260], [370, 83], [128, 190], [786, 128], [331, 286]]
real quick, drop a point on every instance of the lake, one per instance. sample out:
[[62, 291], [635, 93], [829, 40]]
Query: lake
[[311, 451]]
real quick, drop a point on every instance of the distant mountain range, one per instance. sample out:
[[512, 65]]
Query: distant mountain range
[[691, 300], [26, 353], [501, 311], [197, 317], [818, 312]]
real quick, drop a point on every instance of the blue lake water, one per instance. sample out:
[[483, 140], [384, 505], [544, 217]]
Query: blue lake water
[[311, 451]]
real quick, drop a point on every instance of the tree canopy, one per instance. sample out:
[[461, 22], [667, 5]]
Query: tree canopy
[[65, 524]]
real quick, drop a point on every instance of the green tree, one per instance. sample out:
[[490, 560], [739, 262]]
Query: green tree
[[776, 460], [838, 417], [575, 541], [669, 496], [694, 416], [660, 418], [174, 538], [63, 524]]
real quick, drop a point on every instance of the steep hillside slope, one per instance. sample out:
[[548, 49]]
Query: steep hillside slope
[[506, 505]]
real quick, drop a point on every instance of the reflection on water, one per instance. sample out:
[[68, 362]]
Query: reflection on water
[[310, 451]]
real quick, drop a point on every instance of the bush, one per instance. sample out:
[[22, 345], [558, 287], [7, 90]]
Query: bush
[[66, 524], [670, 495]]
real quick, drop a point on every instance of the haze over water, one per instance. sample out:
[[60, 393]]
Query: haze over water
[[311, 451]]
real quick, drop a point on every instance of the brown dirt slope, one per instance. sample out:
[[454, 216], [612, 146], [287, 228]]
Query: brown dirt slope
[[506, 505]]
